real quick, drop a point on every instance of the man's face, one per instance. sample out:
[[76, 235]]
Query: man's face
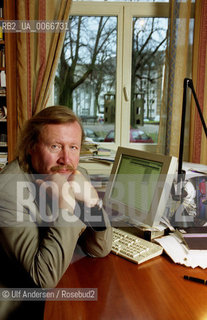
[[58, 149]]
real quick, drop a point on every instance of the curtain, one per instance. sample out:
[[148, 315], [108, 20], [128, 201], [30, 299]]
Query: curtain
[[198, 142], [37, 54], [177, 56]]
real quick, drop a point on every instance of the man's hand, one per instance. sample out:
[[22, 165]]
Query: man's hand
[[57, 186], [83, 189], [77, 187]]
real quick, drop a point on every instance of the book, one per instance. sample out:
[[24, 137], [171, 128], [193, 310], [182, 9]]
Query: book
[[103, 152], [89, 147], [195, 238], [3, 112], [3, 79], [3, 58], [1, 33], [2, 92]]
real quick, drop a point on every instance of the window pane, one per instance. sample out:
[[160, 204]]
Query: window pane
[[148, 67], [86, 74]]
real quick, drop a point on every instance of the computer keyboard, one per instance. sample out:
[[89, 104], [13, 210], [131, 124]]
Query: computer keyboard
[[133, 248]]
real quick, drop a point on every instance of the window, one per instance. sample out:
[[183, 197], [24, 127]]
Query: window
[[111, 70]]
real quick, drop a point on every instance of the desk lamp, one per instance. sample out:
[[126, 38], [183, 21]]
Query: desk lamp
[[181, 194]]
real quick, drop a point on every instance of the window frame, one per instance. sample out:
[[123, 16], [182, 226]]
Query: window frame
[[144, 10], [107, 9], [125, 11]]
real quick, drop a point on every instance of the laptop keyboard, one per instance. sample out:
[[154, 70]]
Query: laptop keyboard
[[133, 248]]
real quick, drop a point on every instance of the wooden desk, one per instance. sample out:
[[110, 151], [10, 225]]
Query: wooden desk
[[153, 290]]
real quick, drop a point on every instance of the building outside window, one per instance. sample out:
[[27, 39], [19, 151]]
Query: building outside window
[[112, 68]]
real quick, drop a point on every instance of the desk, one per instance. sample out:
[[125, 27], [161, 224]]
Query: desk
[[154, 290]]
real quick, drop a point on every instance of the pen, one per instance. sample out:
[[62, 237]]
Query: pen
[[195, 279], [196, 171]]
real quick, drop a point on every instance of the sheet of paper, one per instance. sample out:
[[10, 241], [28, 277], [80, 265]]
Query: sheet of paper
[[178, 252]]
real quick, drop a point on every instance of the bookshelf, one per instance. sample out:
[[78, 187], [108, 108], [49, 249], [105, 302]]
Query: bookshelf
[[8, 112]]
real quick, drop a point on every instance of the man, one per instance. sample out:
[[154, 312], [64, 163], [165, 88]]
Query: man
[[46, 206]]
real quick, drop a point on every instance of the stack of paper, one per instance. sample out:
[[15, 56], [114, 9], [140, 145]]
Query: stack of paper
[[179, 253]]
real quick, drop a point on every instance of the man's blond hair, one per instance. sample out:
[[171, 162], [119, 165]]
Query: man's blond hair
[[33, 127]]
